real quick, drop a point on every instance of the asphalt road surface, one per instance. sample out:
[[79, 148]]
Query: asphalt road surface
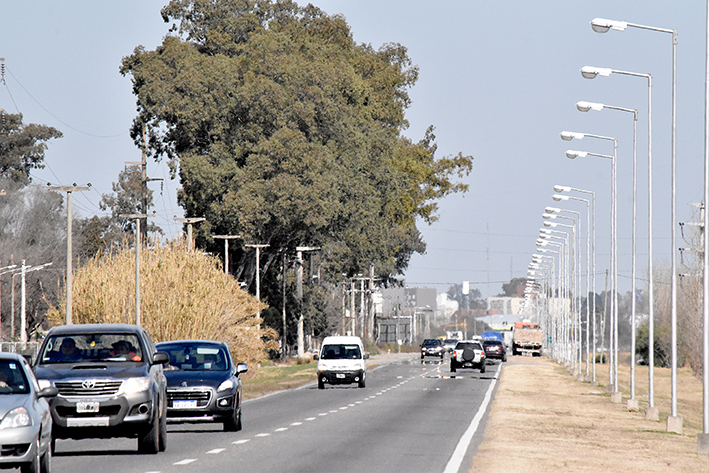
[[411, 417]]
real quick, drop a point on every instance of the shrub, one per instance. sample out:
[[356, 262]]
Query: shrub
[[184, 295]]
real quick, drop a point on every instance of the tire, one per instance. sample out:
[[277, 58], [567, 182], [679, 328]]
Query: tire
[[149, 439], [321, 383], [53, 445], [162, 434], [468, 354], [233, 424], [482, 368], [34, 465], [452, 368], [45, 462], [362, 383], [504, 359]]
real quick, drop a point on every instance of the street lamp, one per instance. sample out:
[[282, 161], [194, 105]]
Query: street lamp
[[585, 107], [652, 413], [602, 25], [591, 225], [613, 349]]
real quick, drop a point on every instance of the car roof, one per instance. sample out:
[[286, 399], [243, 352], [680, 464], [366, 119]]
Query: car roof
[[79, 329], [340, 339], [192, 342]]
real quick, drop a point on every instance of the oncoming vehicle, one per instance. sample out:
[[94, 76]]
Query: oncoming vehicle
[[203, 383], [468, 354], [25, 419], [449, 345], [432, 347], [105, 391], [342, 361]]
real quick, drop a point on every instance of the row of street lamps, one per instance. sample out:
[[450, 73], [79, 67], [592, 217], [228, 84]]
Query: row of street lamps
[[674, 422]]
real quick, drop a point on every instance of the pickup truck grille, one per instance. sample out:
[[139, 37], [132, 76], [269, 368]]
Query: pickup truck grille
[[88, 387]]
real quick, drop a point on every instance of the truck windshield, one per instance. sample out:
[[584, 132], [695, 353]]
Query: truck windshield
[[341, 352]]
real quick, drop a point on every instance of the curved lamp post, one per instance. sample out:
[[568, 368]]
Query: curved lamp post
[[602, 25], [585, 107], [589, 72]]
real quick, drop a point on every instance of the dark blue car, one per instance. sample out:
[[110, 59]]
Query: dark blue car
[[203, 383]]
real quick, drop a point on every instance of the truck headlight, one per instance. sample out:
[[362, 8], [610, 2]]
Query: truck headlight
[[136, 385]]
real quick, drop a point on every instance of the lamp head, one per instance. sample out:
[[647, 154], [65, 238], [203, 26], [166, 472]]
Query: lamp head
[[552, 210], [549, 224], [559, 188], [570, 135], [590, 72], [571, 154], [583, 106], [558, 197], [601, 25]]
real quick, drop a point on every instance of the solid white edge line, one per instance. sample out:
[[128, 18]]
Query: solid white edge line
[[457, 458]]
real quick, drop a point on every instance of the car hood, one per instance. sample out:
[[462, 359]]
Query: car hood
[[11, 401], [91, 370], [195, 378]]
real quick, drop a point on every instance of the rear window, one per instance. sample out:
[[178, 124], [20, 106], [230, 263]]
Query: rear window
[[464, 345], [488, 343]]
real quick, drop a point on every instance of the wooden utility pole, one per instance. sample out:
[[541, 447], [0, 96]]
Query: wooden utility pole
[[299, 289], [258, 273], [189, 222], [226, 239], [138, 244], [68, 190]]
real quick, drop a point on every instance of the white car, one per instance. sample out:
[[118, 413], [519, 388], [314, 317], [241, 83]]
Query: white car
[[342, 361], [468, 354]]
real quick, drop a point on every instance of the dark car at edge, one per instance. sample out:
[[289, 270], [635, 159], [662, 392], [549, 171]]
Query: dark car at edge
[[203, 383], [495, 349], [110, 383]]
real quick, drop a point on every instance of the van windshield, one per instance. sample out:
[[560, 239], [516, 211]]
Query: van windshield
[[341, 352]]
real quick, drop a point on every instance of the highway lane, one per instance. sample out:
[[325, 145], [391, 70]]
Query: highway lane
[[410, 417]]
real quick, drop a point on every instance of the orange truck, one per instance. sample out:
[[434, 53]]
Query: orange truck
[[527, 338]]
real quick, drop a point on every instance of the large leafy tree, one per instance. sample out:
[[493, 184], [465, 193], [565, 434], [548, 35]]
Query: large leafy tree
[[287, 132], [22, 146]]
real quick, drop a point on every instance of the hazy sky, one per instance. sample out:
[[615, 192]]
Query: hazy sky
[[499, 81]]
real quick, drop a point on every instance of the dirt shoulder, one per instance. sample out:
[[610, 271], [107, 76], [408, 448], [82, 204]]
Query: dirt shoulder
[[543, 419]]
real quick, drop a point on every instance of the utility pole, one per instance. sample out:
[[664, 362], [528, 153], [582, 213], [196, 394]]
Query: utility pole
[[138, 244], [68, 190], [189, 222], [299, 289], [226, 239], [143, 163], [258, 273], [284, 339], [23, 312], [2, 271]]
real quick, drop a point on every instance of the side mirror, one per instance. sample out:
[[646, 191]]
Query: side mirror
[[161, 358], [366, 356], [242, 368], [48, 392], [316, 357]]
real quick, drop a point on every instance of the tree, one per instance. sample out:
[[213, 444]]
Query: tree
[[284, 130], [22, 147], [514, 288]]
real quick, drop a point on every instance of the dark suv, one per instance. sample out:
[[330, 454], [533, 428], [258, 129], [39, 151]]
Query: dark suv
[[495, 349], [432, 347], [110, 381]]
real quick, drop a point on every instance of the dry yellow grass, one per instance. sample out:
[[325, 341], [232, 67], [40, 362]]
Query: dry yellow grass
[[184, 295], [543, 419]]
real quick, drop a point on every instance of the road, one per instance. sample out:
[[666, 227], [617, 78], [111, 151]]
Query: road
[[411, 417]]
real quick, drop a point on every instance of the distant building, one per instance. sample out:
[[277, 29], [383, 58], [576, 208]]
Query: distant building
[[504, 305]]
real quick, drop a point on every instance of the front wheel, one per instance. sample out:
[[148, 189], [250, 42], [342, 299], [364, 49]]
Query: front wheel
[[149, 440], [162, 434], [45, 462], [321, 383], [362, 383]]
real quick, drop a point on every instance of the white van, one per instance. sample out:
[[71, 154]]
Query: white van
[[342, 361]]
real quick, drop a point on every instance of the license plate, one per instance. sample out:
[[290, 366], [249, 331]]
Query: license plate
[[184, 404], [340, 375], [87, 407]]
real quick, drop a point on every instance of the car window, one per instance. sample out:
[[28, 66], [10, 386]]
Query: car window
[[103, 347], [12, 378], [431, 342], [341, 352], [488, 343], [464, 345], [196, 357]]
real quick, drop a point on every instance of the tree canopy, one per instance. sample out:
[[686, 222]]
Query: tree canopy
[[22, 146], [284, 130]]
